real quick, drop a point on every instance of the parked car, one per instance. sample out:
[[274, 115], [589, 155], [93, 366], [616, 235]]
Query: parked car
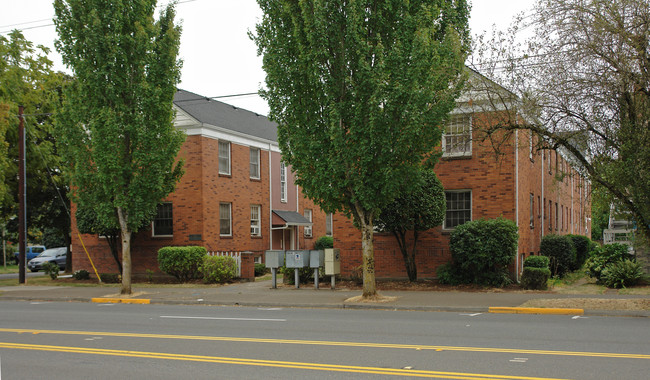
[[53, 255], [30, 252]]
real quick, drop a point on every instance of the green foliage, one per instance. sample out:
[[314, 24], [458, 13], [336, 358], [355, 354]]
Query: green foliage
[[218, 269], [582, 245], [357, 119], [81, 274], [27, 78], [449, 274], [605, 255], [324, 242], [535, 278], [51, 269], [482, 250], [289, 277], [182, 262], [110, 278], [260, 270], [116, 124], [622, 274], [417, 209], [536, 262], [561, 252]]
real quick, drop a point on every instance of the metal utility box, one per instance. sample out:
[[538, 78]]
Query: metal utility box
[[297, 259], [274, 259], [316, 258], [332, 261]]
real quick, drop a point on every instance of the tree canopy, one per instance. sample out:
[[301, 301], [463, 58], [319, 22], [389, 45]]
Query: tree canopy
[[583, 82], [359, 89], [116, 127], [420, 209], [27, 79]]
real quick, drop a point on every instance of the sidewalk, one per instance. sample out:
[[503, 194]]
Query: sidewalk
[[260, 294]]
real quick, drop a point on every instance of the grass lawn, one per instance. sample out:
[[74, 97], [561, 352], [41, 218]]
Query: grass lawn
[[11, 268]]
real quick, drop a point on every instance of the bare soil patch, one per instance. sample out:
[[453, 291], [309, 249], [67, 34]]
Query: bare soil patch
[[591, 303]]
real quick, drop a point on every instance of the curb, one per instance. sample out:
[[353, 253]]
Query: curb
[[121, 300], [535, 310]]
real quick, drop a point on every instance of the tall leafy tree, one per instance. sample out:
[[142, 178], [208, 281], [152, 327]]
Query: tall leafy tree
[[421, 208], [583, 82], [116, 127], [358, 89], [27, 79]]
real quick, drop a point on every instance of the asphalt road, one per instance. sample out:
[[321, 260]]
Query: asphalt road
[[109, 341]]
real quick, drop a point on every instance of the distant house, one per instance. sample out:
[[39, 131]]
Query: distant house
[[236, 194]]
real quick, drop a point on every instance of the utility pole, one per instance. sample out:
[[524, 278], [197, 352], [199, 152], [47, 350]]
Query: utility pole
[[22, 222]]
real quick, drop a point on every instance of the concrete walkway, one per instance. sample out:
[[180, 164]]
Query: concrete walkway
[[261, 294]]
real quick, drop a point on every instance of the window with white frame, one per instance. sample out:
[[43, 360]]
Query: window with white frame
[[255, 163], [224, 157], [163, 222], [283, 182], [329, 224], [457, 137], [225, 219], [459, 208], [256, 226], [308, 228]]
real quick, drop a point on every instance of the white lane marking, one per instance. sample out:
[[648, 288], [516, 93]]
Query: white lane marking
[[106, 304], [579, 317], [269, 308], [224, 319], [471, 315], [36, 303], [519, 360]]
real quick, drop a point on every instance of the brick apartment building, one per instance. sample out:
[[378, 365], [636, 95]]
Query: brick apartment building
[[237, 195]]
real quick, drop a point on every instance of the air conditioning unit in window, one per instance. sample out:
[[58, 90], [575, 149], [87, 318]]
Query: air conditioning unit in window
[[255, 230]]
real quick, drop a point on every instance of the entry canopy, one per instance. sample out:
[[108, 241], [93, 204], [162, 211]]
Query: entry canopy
[[289, 219]]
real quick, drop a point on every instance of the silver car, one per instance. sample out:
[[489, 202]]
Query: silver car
[[53, 255]]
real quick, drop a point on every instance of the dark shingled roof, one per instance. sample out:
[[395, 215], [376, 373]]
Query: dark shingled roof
[[292, 218], [219, 114]]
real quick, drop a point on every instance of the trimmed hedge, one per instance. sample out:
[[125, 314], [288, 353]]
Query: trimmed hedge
[[182, 262], [218, 269], [481, 251], [535, 278], [582, 245], [561, 252], [537, 262]]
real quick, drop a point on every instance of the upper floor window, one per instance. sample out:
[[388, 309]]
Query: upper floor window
[[532, 211], [256, 229], [459, 208], [255, 163], [457, 137], [225, 219], [329, 224], [163, 222], [224, 157], [283, 182], [308, 229]]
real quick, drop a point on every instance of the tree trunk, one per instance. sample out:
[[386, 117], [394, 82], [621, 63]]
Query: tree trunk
[[369, 284], [126, 251]]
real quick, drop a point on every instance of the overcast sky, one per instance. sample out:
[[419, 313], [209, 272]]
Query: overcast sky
[[218, 57]]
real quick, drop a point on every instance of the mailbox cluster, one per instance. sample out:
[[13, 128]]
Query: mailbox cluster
[[329, 258]]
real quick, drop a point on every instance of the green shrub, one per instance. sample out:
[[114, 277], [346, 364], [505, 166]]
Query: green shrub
[[218, 269], [324, 242], [535, 278], [260, 270], [582, 245], [622, 274], [448, 274], [182, 262], [304, 275], [482, 249], [561, 252], [81, 274], [51, 269], [537, 262], [110, 278], [604, 255]]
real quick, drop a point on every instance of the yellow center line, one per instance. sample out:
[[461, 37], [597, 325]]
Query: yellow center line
[[334, 343], [266, 363]]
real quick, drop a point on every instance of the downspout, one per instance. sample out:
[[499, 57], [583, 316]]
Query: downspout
[[296, 227], [270, 202], [517, 198], [571, 217], [543, 200]]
